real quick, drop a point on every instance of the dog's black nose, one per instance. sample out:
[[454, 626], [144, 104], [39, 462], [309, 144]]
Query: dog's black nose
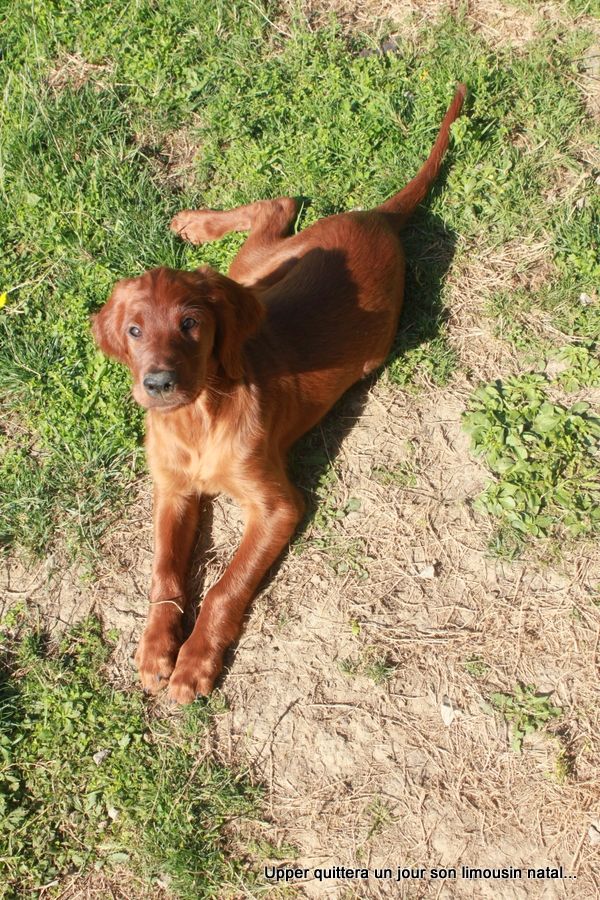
[[160, 382]]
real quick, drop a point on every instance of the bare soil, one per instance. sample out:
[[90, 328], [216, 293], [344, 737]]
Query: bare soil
[[497, 21], [360, 773]]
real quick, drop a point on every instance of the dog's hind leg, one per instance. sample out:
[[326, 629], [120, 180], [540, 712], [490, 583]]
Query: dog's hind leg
[[266, 220], [267, 253]]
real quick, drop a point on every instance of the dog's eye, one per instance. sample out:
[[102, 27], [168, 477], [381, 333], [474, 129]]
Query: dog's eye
[[188, 324], [135, 332]]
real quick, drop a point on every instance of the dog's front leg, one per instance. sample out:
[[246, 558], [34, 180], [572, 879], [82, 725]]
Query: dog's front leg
[[175, 525], [269, 526]]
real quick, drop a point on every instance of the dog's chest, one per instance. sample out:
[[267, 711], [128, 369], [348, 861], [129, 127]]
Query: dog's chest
[[191, 453]]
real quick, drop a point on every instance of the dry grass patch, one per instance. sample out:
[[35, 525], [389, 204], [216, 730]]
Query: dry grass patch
[[363, 770], [567, 184], [119, 885], [589, 80], [587, 153], [172, 155], [498, 23], [72, 71], [335, 744], [479, 274]]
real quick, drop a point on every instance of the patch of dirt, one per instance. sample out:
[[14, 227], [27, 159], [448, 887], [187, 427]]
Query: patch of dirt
[[478, 274], [172, 155], [72, 71], [589, 79], [358, 772], [496, 21], [121, 885]]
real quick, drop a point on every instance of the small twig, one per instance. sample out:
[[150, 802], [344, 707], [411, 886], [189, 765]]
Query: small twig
[[170, 600], [576, 855], [266, 18]]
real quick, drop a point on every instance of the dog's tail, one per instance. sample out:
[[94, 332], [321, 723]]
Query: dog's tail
[[403, 204]]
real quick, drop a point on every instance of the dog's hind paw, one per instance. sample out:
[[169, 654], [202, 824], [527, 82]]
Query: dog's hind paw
[[198, 225]]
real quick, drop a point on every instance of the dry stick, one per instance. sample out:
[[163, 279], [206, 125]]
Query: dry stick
[[170, 600], [518, 658], [574, 862]]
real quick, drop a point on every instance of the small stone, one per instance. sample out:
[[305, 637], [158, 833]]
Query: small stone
[[448, 711], [556, 367], [100, 756], [594, 834], [585, 300], [429, 571]]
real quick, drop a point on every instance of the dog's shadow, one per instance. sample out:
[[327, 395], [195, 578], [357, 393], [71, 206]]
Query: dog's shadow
[[430, 248]]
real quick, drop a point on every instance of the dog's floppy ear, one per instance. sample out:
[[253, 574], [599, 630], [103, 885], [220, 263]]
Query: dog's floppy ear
[[108, 325], [238, 314]]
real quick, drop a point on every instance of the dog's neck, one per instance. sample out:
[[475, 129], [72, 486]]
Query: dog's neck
[[219, 396]]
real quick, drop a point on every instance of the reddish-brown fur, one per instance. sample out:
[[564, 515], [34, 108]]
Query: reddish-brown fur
[[270, 350]]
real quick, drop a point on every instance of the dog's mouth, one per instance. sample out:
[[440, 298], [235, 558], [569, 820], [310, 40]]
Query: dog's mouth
[[169, 401], [164, 400]]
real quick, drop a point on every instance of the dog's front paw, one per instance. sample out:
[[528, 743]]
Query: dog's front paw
[[156, 657], [197, 669]]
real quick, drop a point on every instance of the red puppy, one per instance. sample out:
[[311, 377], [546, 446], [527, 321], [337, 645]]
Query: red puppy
[[232, 371]]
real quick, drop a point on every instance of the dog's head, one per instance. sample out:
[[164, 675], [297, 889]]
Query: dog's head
[[176, 329]]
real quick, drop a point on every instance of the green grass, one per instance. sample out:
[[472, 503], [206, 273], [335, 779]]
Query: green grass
[[580, 367], [476, 667], [404, 474], [530, 713], [544, 457], [380, 816], [89, 778], [371, 663], [84, 202], [526, 712]]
